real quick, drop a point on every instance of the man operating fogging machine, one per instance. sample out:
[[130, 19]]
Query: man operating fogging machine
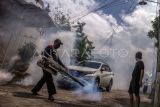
[[50, 51]]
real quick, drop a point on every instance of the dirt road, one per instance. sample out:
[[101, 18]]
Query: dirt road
[[20, 96]]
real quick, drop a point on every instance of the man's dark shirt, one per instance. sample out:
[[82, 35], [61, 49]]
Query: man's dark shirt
[[137, 71], [51, 52]]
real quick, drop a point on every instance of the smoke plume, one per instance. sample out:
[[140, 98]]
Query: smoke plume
[[130, 36], [48, 39], [107, 33], [5, 77]]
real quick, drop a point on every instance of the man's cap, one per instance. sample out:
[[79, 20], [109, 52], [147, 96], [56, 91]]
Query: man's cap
[[58, 41]]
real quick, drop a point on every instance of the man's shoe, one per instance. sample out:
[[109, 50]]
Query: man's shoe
[[34, 93], [51, 98]]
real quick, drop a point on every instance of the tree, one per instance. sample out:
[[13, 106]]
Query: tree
[[83, 44], [27, 51], [20, 65], [154, 32], [60, 19]]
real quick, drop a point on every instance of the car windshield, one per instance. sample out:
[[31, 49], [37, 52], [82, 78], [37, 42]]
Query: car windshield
[[95, 65]]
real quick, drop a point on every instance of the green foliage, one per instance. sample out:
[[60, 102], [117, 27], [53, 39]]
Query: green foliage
[[83, 44], [60, 19], [27, 51], [154, 32]]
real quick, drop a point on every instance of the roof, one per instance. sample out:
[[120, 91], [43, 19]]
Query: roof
[[14, 12]]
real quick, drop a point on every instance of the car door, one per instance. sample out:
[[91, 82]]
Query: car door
[[105, 75]]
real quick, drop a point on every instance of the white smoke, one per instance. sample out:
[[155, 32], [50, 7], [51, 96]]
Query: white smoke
[[130, 36], [133, 38], [35, 74], [67, 39], [48, 39], [89, 91], [13, 60], [5, 77]]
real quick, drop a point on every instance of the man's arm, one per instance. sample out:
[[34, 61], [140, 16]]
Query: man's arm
[[141, 73], [141, 77], [60, 62], [47, 52]]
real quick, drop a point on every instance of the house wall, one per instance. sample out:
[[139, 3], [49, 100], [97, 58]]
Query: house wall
[[11, 41]]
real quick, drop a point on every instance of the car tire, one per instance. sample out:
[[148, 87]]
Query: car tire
[[96, 83], [109, 87]]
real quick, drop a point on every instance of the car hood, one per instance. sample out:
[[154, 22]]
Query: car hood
[[82, 69]]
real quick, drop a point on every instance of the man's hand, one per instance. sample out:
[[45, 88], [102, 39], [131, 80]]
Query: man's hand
[[66, 68], [140, 83]]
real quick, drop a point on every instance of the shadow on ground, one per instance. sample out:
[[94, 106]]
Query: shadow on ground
[[125, 102], [122, 101], [27, 95]]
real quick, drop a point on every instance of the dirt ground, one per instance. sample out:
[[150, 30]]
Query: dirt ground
[[20, 96]]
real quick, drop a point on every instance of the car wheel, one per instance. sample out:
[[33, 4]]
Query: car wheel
[[96, 83], [109, 86]]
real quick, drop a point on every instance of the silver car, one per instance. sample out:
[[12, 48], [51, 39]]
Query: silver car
[[100, 72]]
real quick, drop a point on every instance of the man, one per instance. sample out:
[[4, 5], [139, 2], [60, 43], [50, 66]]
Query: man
[[136, 81], [50, 51]]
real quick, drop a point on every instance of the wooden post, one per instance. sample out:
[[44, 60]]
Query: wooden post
[[157, 87]]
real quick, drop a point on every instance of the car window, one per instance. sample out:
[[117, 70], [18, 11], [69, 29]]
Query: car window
[[108, 69], [105, 68], [95, 65]]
